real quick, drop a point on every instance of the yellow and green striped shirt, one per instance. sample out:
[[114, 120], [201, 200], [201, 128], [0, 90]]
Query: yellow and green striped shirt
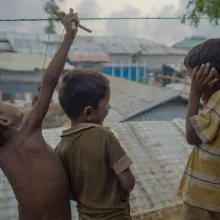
[[200, 184]]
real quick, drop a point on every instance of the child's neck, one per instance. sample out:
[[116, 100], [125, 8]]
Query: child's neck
[[6, 134], [76, 122]]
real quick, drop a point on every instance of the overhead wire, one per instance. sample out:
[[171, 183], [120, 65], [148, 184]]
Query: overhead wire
[[97, 18]]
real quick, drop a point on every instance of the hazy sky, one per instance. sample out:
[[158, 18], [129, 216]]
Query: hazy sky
[[161, 31]]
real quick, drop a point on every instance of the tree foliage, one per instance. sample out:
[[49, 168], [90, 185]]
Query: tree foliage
[[49, 6], [202, 9]]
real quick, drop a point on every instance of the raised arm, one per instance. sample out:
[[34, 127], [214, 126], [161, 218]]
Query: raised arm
[[53, 72], [34, 98], [202, 79]]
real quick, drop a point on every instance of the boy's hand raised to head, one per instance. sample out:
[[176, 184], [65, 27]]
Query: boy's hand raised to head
[[203, 78], [69, 21]]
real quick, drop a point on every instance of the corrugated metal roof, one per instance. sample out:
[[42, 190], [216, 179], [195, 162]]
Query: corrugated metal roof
[[172, 106], [159, 153], [4, 43], [189, 42], [91, 59], [166, 111], [33, 43], [89, 45], [130, 45], [24, 61], [128, 98], [4, 46], [3, 36], [86, 48]]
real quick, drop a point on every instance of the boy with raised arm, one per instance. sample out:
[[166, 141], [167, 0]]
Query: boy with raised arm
[[33, 169], [200, 184]]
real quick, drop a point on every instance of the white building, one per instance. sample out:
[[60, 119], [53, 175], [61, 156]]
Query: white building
[[124, 49], [21, 73]]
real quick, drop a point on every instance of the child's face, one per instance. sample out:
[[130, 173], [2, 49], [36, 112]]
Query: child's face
[[10, 114], [100, 114]]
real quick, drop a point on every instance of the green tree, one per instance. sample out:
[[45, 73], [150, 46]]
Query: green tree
[[202, 9], [50, 6]]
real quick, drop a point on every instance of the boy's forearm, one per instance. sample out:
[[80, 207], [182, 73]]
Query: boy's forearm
[[193, 108], [127, 180], [57, 64]]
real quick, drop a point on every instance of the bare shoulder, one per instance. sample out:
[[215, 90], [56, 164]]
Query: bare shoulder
[[26, 133], [15, 140]]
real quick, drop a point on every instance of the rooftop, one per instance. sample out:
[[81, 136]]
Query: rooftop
[[24, 61], [129, 98], [189, 42], [159, 153], [167, 110], [169, 107], [87, 46]]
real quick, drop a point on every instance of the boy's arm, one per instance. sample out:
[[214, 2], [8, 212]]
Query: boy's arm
[[192, 110], [127, 180], [34, 98], [202, 79], [51, 77], [120, 163]]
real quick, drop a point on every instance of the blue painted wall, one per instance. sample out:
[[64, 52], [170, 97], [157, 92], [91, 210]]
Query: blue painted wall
[[123, 70]]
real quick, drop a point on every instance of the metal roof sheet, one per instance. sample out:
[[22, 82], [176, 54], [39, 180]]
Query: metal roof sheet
[[24, 61], [128, 98], [189, 42], [89, 45], [165, 111], [91, 59], [3, 36]]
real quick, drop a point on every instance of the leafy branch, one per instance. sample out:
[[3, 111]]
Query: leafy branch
[[50, 6], [199, 9]]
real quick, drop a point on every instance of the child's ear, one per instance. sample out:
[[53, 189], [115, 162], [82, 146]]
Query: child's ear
[[5, 121], [88, 113]]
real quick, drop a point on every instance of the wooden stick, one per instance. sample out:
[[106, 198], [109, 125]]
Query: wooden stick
[[84, 28], [174, 205]]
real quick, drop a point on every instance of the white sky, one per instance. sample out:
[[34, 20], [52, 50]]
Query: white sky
[[161, 31], [146, 6]]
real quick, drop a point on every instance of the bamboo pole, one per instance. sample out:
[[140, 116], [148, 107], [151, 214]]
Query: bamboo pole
[[174, 205]]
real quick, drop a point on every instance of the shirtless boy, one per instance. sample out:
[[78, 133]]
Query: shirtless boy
[[33, 169]]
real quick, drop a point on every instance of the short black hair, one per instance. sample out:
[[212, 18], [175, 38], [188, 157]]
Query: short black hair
[[81, 88], [203, 53]]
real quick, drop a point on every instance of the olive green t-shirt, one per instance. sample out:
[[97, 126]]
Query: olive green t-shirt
[[93, 157]]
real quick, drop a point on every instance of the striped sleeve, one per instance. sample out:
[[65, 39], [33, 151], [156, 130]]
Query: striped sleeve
[[206, 124]]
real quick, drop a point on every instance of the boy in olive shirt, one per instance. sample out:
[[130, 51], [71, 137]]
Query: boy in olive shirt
[[97, 166]]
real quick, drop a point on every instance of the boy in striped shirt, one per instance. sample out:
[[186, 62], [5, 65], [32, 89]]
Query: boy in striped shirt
[[200, 184]]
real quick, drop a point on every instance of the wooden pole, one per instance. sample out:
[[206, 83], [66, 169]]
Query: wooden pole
[[156, 209]]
